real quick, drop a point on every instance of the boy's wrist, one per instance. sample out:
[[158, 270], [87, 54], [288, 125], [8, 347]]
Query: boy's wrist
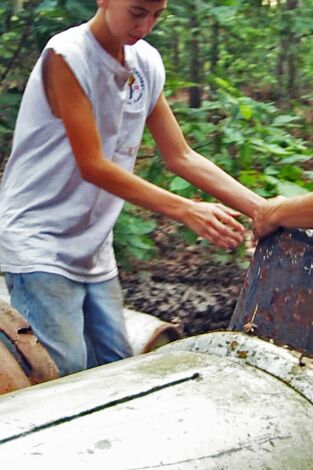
[[182, 210]]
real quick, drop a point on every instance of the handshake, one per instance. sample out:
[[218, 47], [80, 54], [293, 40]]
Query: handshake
[[217, 223], [294, 212]]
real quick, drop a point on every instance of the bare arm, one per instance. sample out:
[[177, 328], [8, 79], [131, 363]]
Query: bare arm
[[289, 213], [200, 171], [68, 101]]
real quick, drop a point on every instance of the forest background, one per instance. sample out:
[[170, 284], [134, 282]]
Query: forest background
[[239, 80]]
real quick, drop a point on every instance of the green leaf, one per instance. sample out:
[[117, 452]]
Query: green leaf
[[82, 9], [221, 258], [309, 174], [233, 136], [249, 178], [296, 158], [224, 14], [277, 149], [179, 184], [269, 148], [272, 180], [284, 119], [188, 235], [289, 189], [246, 111], [271, 171], [290, 173]]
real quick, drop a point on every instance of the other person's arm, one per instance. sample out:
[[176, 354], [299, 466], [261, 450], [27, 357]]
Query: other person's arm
[[279, 212]]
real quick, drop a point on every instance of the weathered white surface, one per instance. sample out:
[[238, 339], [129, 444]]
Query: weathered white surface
[[84, 392], [288, 366], [153, 412]]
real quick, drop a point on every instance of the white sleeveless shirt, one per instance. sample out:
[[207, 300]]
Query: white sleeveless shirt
[[50, 218]]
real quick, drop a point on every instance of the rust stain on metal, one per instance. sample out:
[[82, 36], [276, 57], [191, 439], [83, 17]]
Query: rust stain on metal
[[279, 287], [286, 243], [233, 345], [12, 376], [30, 352], [242, 354]]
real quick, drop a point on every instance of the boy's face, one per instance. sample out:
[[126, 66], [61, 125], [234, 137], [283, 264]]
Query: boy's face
[[131, 20]]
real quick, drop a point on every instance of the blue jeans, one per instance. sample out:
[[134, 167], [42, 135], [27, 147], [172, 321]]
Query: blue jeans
[[80, 324]]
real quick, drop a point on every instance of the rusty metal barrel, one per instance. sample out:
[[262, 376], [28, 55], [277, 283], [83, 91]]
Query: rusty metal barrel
[[23, 360], [276, 300]]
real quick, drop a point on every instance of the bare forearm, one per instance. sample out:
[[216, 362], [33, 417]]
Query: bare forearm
[[214, 222], [190, 165], [213, 180], [112, 178]]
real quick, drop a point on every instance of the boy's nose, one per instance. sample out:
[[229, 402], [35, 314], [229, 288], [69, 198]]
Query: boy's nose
[[146, 26]]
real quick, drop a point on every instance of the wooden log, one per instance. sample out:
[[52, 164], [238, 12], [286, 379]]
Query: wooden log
[[276, 300]]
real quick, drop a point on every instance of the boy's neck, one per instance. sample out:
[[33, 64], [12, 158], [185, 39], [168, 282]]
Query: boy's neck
[[105, 39]]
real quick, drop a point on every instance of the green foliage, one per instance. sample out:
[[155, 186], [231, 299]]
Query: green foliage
[[53, 16], [249, 139], [131, 235], [24, 31], [252, 140]]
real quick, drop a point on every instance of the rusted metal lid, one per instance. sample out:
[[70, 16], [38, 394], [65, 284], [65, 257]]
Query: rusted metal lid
[[276, 300]]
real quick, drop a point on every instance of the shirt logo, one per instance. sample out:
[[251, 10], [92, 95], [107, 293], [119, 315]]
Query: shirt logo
[[136, 87]]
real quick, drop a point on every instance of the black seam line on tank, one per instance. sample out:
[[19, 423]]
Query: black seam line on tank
[[90, 411]]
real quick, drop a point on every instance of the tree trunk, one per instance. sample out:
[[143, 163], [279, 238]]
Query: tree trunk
[[214, 47], [287, 63], [194, 91], [175, 48]]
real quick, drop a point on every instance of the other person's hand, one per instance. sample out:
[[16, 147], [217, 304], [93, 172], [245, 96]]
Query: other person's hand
[[263, 219]]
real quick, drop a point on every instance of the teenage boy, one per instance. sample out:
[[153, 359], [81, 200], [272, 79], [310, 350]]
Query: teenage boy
[[79, 127]]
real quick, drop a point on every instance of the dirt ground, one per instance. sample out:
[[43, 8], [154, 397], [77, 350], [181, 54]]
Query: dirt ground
[[184, 285]]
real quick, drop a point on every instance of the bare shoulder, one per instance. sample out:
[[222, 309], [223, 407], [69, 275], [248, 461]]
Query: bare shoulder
[[62, 88], [58, 78]]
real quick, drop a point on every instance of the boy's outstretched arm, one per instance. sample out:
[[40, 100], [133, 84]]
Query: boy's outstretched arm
[[200, 171], [69, 103]]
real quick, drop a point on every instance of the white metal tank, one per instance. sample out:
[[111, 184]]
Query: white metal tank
[[197, 404]]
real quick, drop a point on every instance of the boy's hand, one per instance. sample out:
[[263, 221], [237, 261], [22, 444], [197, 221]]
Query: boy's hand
[[264, 217], [216, 223]]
